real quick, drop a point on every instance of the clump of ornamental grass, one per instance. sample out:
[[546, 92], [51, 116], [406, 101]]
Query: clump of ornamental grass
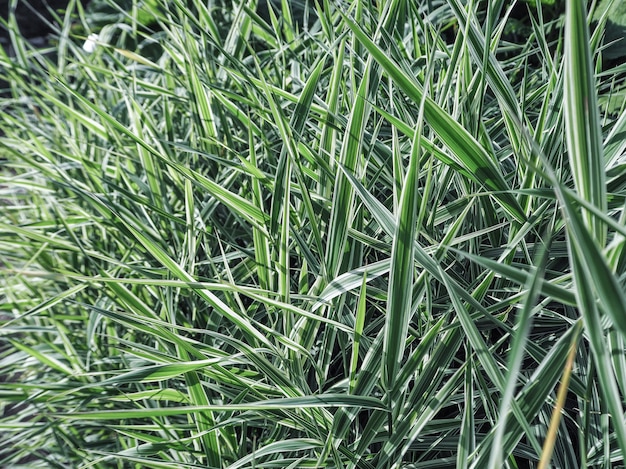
[[366, 235]]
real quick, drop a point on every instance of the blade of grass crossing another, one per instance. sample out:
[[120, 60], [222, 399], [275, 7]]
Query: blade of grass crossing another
[[485, 357], [594, 269], [464, 147], [281, 202], [262, 250], [409, 430], [515, 359], [548, 446], [328, 137], [530, 399], [288, 403], [595, 281], [241, 321], [597, 340], [204, 420], [343, 196], [147, 159], [358, 331], [298, 122], [233, 201]]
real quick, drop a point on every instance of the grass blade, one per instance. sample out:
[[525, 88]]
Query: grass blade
[[582, 120]]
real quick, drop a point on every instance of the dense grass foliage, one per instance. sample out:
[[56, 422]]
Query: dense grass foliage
[[356, 235]]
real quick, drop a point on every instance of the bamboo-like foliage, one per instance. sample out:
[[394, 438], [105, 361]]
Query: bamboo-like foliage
[[329, 234]]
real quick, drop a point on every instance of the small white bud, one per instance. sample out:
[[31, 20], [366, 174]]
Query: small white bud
[[90, 44]]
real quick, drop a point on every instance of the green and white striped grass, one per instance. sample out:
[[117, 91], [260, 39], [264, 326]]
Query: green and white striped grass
[[388, 237]]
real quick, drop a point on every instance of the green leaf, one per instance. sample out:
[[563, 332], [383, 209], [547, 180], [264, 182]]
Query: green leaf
[[465, 150]]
